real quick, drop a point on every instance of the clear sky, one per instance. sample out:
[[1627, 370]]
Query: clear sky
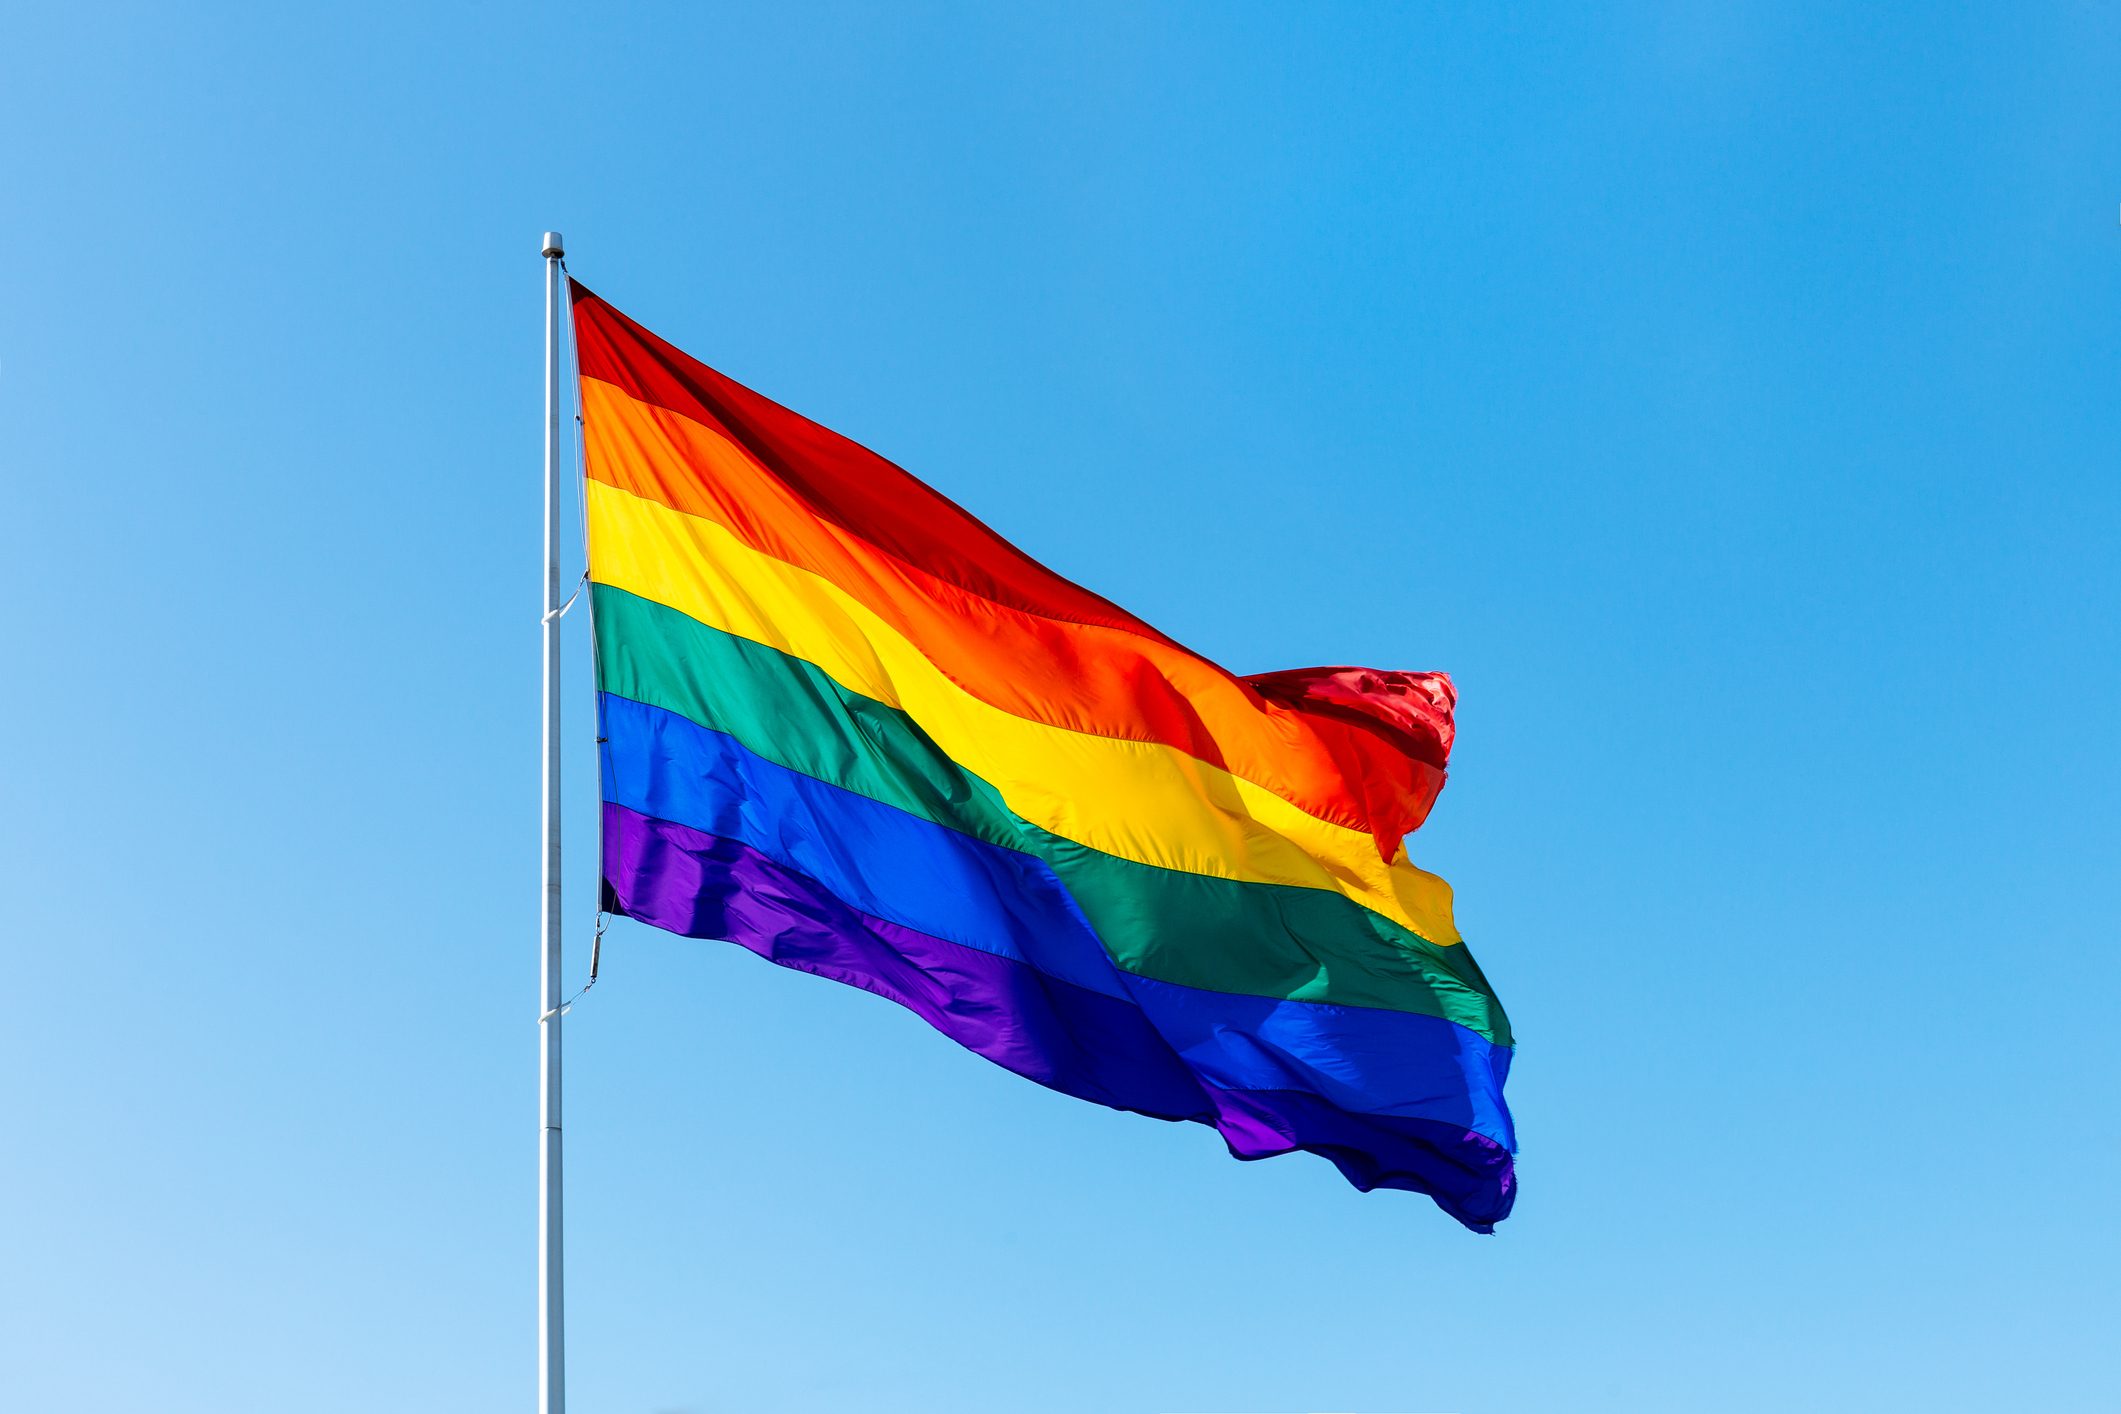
[[1725, 394]]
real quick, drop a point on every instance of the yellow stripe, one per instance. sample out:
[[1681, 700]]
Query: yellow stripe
[[1138, 800]]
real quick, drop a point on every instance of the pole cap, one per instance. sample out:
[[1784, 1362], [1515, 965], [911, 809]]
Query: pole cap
[[554, 246]]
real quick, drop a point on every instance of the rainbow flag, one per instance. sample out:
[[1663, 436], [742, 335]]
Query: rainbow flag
[[847, 726]]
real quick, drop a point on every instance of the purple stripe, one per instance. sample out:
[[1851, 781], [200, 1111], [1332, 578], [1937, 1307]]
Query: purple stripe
[[1080, 1042], [1470, 1176]]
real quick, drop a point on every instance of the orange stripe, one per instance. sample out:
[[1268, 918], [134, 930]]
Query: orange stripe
[[1088, 678]]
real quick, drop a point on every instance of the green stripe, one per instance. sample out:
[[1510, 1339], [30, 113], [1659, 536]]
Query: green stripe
[[1225, 935]]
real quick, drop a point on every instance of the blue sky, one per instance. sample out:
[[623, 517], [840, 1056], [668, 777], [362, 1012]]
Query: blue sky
[[1724, 394]]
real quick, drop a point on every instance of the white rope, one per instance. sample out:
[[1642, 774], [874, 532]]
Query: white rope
[[561, 612], [581, 452], [581, 463]]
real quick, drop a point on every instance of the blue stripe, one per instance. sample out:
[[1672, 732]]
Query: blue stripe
[[912, 872]]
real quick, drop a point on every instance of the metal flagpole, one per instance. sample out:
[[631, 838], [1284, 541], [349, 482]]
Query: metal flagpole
[[552, 1347]]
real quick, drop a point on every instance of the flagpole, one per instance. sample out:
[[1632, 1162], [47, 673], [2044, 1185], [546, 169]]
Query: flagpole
[[552, 1347]]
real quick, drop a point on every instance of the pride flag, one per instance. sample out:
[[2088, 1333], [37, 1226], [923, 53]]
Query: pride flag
[[847, 726]]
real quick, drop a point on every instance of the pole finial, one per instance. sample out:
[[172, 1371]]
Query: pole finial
[[554, 246]]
